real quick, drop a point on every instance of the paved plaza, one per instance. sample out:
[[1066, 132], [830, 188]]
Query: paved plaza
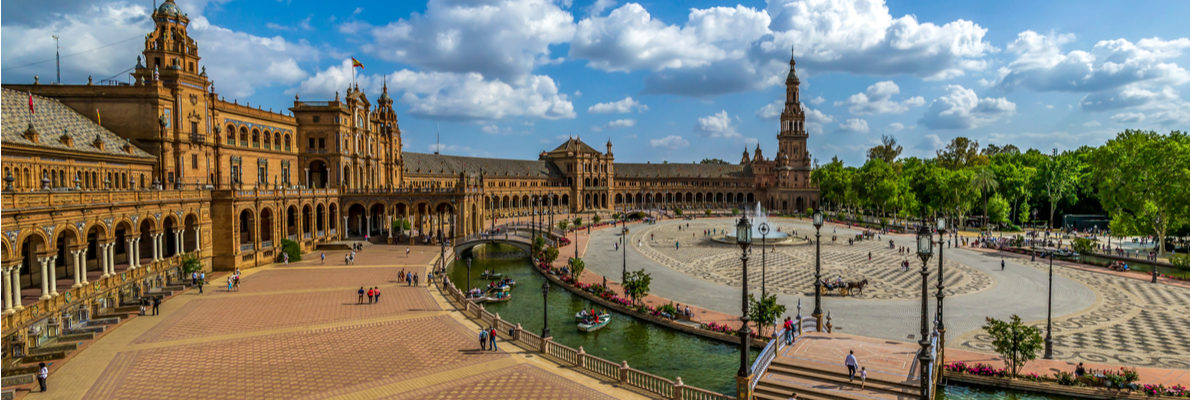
[[1098, 318], [296, 331]]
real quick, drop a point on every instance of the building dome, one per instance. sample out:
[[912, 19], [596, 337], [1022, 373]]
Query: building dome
[[169, 8]]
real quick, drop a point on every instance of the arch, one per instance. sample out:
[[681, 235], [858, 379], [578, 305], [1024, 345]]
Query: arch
[[332, 217], [170, 240], [689, 197], [377, 212], [307, 221], [243, 136], [247, 229], [355, 220], [32, 246], [566, 200], [320, 219], [291, 222], [267, 227], [230, 133], [190, 238], [287, 142], [619, 199], [719, 197], [319, 174], [65, 241], [698, 197], [277, 140], [268, 140], [669, 198], [255, 137], [751, 198], [799, 204]]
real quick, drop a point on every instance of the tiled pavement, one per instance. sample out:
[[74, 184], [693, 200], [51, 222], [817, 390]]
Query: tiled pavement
[[295, 331]]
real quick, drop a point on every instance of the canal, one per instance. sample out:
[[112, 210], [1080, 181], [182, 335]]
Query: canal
[[700, 362]]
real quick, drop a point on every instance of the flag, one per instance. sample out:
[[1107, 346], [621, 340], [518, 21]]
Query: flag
[[31, 103], [98, 119], [355, 63]]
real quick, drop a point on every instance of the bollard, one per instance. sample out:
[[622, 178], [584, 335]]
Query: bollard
[[582, 358], [678, 385], [624, 371]]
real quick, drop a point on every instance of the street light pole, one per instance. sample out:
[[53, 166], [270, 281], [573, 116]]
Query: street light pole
[[924, 250], [764, 232], [941, 326], [545, 308], [1049, 310], [624, 249], [1160, 246], [818, 220], [468, 274], [744, 375]]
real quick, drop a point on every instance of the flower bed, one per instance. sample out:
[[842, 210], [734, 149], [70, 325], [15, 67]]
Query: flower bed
[[1119, 380]]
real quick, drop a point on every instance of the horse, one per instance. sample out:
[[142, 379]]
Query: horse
[[857, 285]]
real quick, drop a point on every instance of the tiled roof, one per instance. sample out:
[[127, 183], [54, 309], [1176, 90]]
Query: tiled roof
[[576, 145], [51, 120], [625, 170], [443, 164]]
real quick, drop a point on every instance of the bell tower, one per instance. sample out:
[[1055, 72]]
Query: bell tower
[[169, 50], [792, 138]]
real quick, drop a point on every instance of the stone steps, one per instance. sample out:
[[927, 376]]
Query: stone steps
[[808, 380], [875, 383]]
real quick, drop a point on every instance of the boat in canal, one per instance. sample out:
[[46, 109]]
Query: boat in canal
[[586, 314], [595, 323], [491, 275]]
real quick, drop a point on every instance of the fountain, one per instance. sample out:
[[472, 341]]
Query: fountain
[[760, 217]]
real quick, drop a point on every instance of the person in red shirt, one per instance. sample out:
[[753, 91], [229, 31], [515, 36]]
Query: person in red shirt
[[371, 292]]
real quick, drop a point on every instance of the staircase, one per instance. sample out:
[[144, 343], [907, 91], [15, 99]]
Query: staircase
[[814, 380]]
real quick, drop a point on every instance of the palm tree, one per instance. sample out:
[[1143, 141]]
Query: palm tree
[[985, 181]]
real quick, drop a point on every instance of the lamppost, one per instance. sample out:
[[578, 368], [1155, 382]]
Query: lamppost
[[545, 307], [925, 249], [764, 232], [1159, 248], [468, 274], [623, 249], [441, 243], [743, 237], [1049, 310], [817, 270], [941, 222]]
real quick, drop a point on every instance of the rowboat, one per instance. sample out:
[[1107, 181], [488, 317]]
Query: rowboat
[[582, 315], [595, 325], [491, 275]]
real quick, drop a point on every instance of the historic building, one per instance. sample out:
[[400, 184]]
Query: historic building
[[109, 187]]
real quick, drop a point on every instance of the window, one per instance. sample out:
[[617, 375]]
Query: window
[[194, 161], [317, 119], [194, 128], [286, 142], [321, 143], [311, 146]]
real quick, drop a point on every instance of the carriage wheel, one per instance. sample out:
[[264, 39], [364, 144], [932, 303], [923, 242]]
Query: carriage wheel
[[843, 291]]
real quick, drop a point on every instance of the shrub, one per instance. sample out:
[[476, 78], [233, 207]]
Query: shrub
[[1065, 378], [735, 211], [1180, 261], [191, 264], [292, 248]]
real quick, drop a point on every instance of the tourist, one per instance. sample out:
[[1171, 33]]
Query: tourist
[[492, 339], [229, 283], [869, 256], [406, 252], [324, 257], [851, 364], [42, 374], [156, 304], [1079, 371], [401, 275], [788, 325], [1001, 263], [361, 296], [863, 376], [143, 301], [285, 256], [483, 339], [346, 259], [409, 279], [377, 289], [236, 281], [688, 313], [415, 282], [371, 292]]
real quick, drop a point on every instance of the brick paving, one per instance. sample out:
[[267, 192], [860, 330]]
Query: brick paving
[[295, 331]]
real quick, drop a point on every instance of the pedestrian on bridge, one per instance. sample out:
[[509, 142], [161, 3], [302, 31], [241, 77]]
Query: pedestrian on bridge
[[851, 364]]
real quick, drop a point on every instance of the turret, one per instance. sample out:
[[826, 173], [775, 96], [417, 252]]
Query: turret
[[745, 159]]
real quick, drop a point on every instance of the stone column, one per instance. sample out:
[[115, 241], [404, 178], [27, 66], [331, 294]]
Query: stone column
[[178, 242], [128, 253], [136, 252], [111, 257], [343, 229], [45, 282], [197, 239], [156, 249], [101, 258], [53, 275], [160, 246], [368, 223], [83, 265], [80, 268], [388, 226], [8, 290], [15, 272]]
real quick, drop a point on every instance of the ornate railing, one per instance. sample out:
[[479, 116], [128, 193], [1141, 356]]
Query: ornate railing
[[622, 373]]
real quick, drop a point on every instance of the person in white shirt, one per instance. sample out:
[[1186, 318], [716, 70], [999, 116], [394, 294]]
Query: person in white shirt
[[851, 364], [42, 374]]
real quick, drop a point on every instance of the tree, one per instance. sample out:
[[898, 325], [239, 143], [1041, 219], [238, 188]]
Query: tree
[[549, 255], [636, 284], [578, 223], [563, 224], [888, 150], [596, 219], [400, 225], [707, 212], [538, 246], [1016, 342], [960, 152], [576, 267], [292, 248], [677, 211], [190, 263], [997, 210], [764, 312], [713, 161], [984, 180], [1142, 182], [1057, 178]]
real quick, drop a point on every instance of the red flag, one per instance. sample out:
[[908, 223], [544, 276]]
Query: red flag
[[355, 63], [31, 103]]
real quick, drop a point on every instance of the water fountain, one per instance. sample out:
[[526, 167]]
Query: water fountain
[[759, 216]]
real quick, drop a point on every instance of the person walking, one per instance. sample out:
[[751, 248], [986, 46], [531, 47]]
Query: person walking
[[156, 304], [42, 374], [483, 339], [285, 256], [377, 288], [409, 279], [1001, 264], [361, 296], [863, 376], [324, 257], [851, 364], [371, 292], [415, 282], [229, 282], [201, 282], [492, 339], [406, 252]]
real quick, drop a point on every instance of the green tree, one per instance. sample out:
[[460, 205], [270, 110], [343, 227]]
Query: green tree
[[577, 265], [596, 219], [984, 180], [636, 284], [677, 211], [712, 161], [764, 312], [190, 263], [538, 246], [549, 255], [578, 222], [1016, 342], [888, 150], [1144, 182], [707, 212], [997, 210], [959, 153], [1058, 179], [401, 225], [292, 248], [563, 224]]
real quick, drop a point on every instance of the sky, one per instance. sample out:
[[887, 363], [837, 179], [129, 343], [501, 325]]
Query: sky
[[674, 81]]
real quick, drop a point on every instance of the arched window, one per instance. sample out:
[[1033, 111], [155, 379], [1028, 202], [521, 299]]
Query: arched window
[[268, 143], [286, 142], [231, 135], [243, 137], [277, 140], [255, 138]]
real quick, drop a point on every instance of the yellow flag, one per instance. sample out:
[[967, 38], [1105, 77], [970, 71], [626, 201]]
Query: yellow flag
[[98, 119]]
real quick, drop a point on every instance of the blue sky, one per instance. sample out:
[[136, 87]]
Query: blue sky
[[664, 80]]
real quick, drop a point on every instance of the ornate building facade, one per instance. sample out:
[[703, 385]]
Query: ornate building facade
[[108, 187]]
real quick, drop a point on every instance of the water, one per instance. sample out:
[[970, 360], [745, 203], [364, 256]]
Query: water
[[759, 216], [700, 362], [660, 351]]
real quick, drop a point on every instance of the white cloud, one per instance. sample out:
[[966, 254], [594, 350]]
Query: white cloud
[[817, 100], [961, 108], [671, 142], [29, 47], [503, 40], [877, 99], [717, 125], [816, 120], [856, 125], [1092, 124], [1041, 65], [599, 6], [1128, 118], [625, 105], [771, 110], [622, 123], [336, 79], [896, 127], [234, 59]]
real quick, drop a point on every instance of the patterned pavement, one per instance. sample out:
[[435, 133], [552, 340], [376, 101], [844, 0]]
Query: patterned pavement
[[790, 269], [296, 331]]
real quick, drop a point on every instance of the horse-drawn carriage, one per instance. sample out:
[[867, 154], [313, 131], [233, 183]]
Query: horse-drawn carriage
[[842, 288]]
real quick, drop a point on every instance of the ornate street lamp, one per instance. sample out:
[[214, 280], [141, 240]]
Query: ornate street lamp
[[468, 274], [743, 237], [624, 249], [925, 248], [763, 228], [545, 308], [818, 220], [941, 225], [1049, 310], [1160, 246]]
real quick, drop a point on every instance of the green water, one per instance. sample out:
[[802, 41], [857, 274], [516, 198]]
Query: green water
[[660, 351], [700, 362]]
